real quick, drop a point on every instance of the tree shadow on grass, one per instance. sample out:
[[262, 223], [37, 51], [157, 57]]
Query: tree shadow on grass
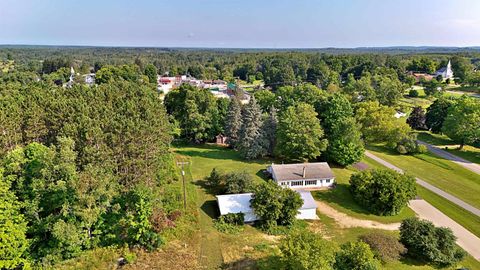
[[210, 208], [208, 189]]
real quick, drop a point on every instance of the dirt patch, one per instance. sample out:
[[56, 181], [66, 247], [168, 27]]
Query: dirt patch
[[360, 166], [175, 256], [346, 221]]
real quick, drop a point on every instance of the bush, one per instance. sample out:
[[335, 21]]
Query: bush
[[355, 256], [413, 93], [385, 247], [305, 250], [233, 218], [432, 244], [410, 145], [275, 205], [382, 191], [215, 179], [230, 223], [421, 149], [238, 182]]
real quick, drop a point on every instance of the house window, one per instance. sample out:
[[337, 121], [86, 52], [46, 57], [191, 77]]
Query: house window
[[284, 183], [296, 183], [328, 181], [310, 182]]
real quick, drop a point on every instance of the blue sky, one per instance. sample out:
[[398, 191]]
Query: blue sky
[[241, 23]]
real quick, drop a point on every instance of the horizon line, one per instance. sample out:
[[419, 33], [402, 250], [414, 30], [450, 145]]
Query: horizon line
[[248, 48]]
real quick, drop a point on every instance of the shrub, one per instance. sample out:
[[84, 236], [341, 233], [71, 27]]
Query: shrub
[[382, 191], [215, 179], [355, 256], [421, 149], [413, 93], [385, 247], [233, 218], [410, 145], [238, 182], [275, 205], [230, 223], [305, 250], [432, 244]]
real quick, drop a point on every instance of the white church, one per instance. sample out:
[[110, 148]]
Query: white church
[[445, 72]]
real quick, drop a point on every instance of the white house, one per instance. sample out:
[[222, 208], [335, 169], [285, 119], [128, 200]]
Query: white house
[[236, 203], [302, 175], [445, 72], [399, 114]]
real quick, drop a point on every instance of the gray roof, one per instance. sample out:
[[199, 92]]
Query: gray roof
[[316, 170], [308, 201], [236, 203]]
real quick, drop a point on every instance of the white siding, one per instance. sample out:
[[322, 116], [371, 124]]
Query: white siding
[[307, 214]]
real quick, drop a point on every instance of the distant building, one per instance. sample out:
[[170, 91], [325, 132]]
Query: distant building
[[240, 203], [445, 72], [221, 139], [399, 114], [302, 175], [89, 79]]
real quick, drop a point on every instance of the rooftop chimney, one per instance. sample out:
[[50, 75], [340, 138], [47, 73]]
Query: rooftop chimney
[[304, 170]]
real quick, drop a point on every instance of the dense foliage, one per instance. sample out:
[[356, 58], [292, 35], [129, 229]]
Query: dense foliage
[[382, 191], [304, 250], [355, 256], [275, 205], [429, 243], [385, 247], [299, 134], [83, 167]]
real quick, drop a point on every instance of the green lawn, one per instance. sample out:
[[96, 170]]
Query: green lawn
[[468, 152], [437, 171], [461, 216], [341, 199], [251, 246]]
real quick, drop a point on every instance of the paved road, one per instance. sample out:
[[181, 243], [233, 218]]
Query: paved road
[[465, 239], [474, 167], [428, 186]]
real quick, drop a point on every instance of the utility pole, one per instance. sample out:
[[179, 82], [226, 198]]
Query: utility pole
[[184, 189]]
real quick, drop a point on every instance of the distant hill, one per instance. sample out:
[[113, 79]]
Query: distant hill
[[330, 50]]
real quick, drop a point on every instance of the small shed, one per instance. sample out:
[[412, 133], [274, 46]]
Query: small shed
[[221, 139], [236, 203]]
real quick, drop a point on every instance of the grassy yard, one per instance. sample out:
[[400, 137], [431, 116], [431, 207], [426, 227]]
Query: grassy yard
[[468, 152], [341, 199], [252, 247], [437, 171]]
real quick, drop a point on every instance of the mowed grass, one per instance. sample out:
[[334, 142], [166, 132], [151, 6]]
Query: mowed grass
[[468, 152], [439, 172], [468, 220], [252, 247], [216, 248], [342, 200]]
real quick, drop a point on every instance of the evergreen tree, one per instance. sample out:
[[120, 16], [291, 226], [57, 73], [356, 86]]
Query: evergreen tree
[[233, 122], [269, 130], [252, 144], [417, 119]]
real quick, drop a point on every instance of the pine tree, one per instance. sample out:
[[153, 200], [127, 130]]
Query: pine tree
[[252, 143], [233, 122], [269, 130]]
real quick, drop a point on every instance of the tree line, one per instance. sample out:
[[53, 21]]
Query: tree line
[[82, 167]]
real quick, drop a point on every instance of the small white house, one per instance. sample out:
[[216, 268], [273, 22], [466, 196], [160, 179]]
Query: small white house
[[236, 203], [302, 175]]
